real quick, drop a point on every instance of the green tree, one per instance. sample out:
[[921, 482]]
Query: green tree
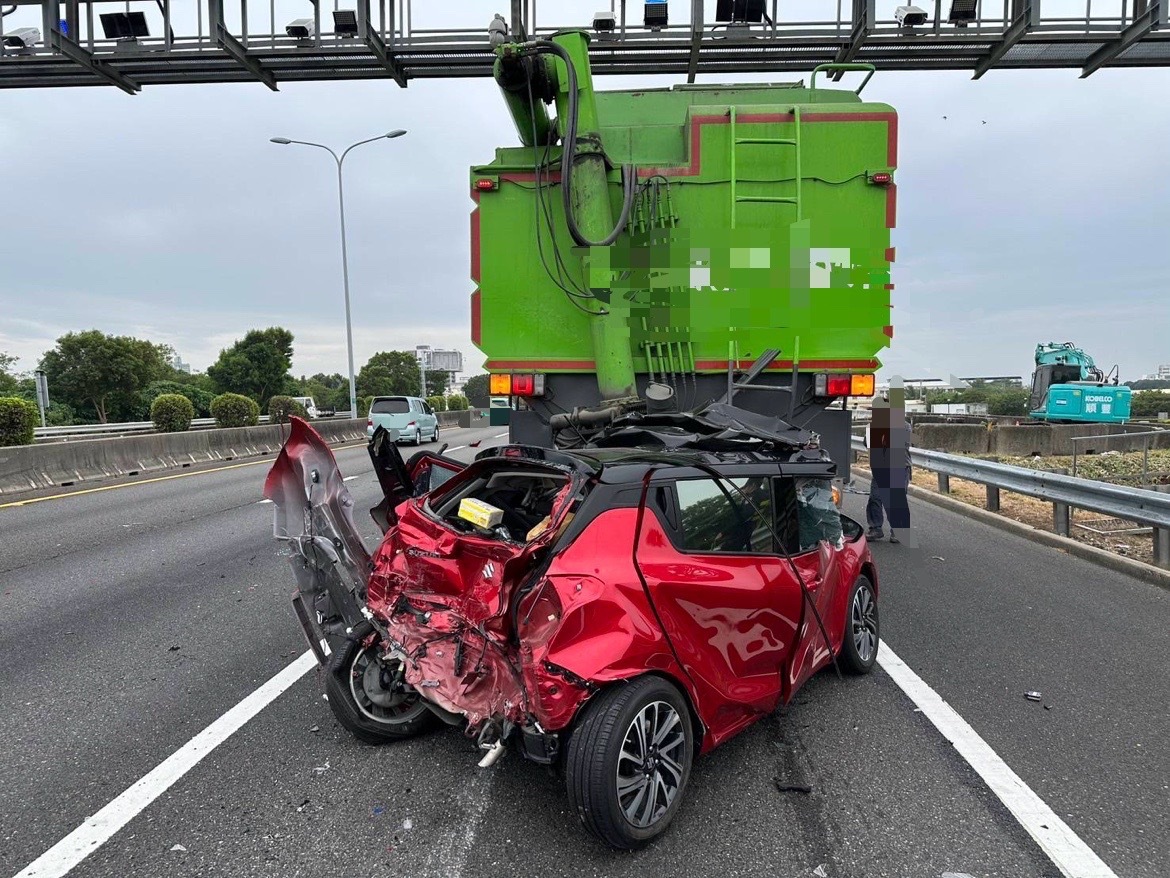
[[477, 391], [1008, 402], [437, 383], [8, 378], [389, 373], [1149, 403], [92, 371], [256, 366]]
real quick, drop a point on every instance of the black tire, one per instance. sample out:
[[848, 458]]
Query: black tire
[[861, 639], [374, 716], [593, 761], [435, 435]]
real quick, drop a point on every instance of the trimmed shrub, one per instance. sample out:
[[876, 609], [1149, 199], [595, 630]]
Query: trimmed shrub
[[364, 403], [438, 403], [457, 403], [234, 410], [172, 413], [18, 420], [281, 407]]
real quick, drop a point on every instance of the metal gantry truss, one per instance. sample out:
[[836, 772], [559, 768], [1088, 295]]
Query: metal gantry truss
[[208, 41]]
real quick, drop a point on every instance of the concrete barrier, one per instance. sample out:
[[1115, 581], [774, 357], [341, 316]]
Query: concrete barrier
[[28, 467], [952, 438]]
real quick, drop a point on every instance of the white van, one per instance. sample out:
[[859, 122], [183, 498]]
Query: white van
[[309, 406]]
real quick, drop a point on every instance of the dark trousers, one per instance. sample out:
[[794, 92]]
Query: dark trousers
[[888, 501]]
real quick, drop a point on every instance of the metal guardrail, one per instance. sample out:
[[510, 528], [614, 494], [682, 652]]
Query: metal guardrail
[[99, 430], [1150, 508]]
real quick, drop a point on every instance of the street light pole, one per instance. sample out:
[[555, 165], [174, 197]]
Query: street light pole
[[340, 161]]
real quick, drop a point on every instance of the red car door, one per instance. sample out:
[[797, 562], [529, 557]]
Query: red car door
[[727, 600]]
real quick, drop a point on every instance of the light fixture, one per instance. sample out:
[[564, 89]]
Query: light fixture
[[910, 16], [740, 10], [345, 23], [22, 38], [397, 132], [497, 31], [283, 141], [124, 25], [656, 14], [604, 21], [302, 29], [962, 11]]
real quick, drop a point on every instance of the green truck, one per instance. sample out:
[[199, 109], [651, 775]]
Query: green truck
[[663, 249]]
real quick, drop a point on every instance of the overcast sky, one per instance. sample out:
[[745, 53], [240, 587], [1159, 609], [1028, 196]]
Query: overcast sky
[[170, 216]]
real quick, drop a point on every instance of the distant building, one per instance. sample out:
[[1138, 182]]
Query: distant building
[[177, 363], [1164, 372]]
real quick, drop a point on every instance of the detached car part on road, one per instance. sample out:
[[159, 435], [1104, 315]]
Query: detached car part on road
[[616, 611]]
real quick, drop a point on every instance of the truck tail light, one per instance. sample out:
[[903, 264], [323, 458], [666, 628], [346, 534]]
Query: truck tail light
[[881, 178], [861, 385], [826, 386], [524, 385]]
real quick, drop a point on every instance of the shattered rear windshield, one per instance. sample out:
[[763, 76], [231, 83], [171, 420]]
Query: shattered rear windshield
[[519, 503]]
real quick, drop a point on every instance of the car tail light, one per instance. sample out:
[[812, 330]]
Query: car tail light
[[412, 423], [369, 422]]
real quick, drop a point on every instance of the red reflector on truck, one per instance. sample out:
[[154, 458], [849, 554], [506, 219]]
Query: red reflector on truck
[[839, 385], [483, 185]]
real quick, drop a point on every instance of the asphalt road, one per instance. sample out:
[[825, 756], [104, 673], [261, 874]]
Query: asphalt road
[[132, 618]]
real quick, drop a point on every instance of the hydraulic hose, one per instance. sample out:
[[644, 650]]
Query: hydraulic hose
[[568, 156]]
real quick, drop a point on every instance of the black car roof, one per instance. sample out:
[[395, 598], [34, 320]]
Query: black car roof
[[618, 465]]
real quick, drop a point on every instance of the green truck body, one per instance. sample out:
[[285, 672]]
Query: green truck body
[[761, 221]]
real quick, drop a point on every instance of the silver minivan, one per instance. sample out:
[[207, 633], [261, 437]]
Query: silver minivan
[[414, 420]]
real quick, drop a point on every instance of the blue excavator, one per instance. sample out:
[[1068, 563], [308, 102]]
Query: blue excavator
[[1067, 387]]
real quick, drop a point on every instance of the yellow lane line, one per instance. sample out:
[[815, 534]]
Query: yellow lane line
[[218, 469]]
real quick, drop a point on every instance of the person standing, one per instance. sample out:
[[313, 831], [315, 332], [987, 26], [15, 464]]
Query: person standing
[[887, 439]]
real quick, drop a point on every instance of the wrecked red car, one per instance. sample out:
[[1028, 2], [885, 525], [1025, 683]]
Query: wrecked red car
[[617, 611]]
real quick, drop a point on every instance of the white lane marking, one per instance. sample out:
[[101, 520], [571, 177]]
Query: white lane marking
[[457, 448], [1072, 856], [449, 855], [499, 435], [95, 831], [349, 478], [262, 502]]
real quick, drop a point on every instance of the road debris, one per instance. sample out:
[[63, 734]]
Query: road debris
[[786, 787], [179, 847], [174, 649], [379, 810], [937, 558], [301, 806], [821, 871], [321, 769], [1032, 696], [314, 729], [408, 823]]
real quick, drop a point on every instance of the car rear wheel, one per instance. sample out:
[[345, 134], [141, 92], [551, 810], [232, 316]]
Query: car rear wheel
[[435, 435], [628, 762], [859, 646], [368, 696]]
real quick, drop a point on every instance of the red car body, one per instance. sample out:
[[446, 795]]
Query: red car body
[[517, 635]]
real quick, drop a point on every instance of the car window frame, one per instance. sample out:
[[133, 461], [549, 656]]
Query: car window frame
[[672, 516]]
